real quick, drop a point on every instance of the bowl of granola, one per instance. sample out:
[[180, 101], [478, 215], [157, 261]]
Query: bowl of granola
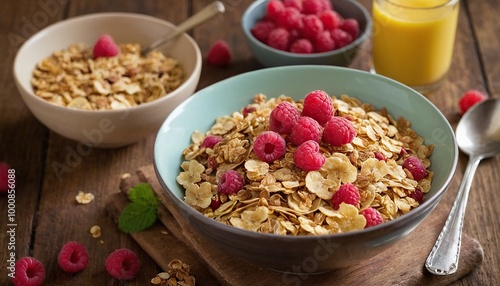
[[319, 168], [86, 79]]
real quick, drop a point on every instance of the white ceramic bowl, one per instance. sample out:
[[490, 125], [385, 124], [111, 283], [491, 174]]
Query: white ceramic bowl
[[113, 128]]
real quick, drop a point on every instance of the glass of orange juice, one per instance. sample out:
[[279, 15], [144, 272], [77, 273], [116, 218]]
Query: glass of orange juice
[[413, 40]]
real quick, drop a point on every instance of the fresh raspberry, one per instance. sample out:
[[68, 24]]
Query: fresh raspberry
[[351, 26], [307, 156], [313, 7], [417, 195], [302, 46], [4, 177], [105, 47], [290, 19], [331, 20], [346, 193], [341, 38], [416, 167], [283, 117], [269, 146], [219, 54], [318, 105], [215, 203], [297, 4], [274, 9], [279, 39], [311, 27], [470, 98], [123, 264], [230, 182], [324, 42], [338, 131], [29, 272], [262, 29], [372, 216], [210, 141], [73, 257], [306, 129]]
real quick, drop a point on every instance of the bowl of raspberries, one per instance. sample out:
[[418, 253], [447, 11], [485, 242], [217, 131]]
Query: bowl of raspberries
[[308, 169], [297, 32]]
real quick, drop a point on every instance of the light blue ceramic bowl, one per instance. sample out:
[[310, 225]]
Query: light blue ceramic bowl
[[270, 57], [285, 253]]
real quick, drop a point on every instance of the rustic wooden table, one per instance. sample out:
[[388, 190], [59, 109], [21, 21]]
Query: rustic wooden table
[[45, 210]]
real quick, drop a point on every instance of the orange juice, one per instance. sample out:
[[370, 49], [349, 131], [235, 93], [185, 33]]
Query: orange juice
[[413, 39]]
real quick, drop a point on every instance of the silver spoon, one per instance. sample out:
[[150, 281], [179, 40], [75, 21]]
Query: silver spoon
[[478, 135], [202, 16]]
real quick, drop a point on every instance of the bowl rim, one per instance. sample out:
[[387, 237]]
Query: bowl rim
[[187, 81], [424, 208], [358, 41]]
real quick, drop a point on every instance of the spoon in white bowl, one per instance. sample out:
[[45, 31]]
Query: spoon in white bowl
[[207, 13], [478, 135]]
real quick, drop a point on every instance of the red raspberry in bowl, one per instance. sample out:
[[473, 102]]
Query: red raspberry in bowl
[[351, 26], [324, 42], [279, 39], [302, 46], [28, 272], [273, 9], [123, 264], [470, 98], [338, 131], [230, 182], [306, 129], [346, 193], [73, 257], [269, 146], [311, 27], [416, 167], [417, 195], [283, 117], [308, 157], [372, 216], [331, 20], [290, 19], [262, 29], [318, 105], [297, 4], [314, 6], [341, 38], [210, 141], [105, 47]]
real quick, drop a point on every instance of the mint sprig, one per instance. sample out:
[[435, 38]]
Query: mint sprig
[[141, 213]]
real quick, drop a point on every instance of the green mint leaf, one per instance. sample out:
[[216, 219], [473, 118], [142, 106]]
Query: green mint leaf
[[141, 213], [142, 193]]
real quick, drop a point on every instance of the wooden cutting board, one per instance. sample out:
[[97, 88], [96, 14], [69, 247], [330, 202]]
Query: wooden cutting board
[[172, 238]]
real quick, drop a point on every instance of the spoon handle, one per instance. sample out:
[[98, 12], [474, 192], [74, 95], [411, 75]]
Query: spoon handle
[[202, 16], [443, 258]]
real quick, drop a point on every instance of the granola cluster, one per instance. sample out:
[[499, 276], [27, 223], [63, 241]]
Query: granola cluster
[[281, 198], [73, 78]]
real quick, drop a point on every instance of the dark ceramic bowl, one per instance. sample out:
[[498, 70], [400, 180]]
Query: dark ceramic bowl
[[303, 253]]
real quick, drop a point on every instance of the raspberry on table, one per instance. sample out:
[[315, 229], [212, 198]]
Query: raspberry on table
[[123, 264], [341, 38], [29, 272], [324, 42], [73, 257], [306, 128], [301, 46], [279, 39], [417, 195], [210, 141], [219, 54], [105, 47], [4, 177], [416, 167], [346, 193], [318, 105], [230, 182], [269, 146], [283, 117], [308, 157], [350, 26], [262, 29], [338, 131], [372, 216], [470, 98], [311, 27]]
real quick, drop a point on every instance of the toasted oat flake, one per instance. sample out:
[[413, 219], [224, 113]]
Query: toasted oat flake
[[95, 231], [282, 199], [84, 198]]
